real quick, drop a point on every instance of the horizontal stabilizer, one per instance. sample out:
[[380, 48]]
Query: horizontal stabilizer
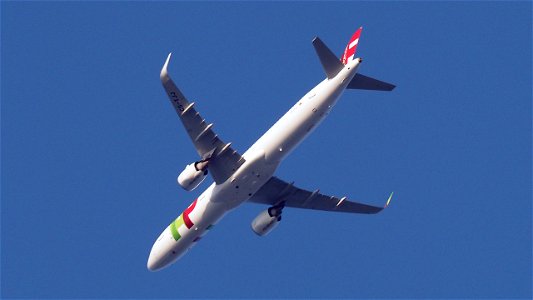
[[362, 82], [331, 64]]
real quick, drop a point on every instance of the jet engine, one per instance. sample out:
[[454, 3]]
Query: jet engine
[[193, 175], [267, 220]]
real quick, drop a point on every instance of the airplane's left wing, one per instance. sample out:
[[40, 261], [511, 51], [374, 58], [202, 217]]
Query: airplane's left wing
[[223, 160], [277, 191]]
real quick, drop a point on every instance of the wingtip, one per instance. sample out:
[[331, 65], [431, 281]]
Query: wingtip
[[164, 70], [388, 200]]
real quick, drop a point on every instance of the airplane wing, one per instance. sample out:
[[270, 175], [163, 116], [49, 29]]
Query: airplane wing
[[276, 191], [223, 160]]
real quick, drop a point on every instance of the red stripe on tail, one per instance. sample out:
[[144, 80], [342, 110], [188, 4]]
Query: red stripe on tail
[[349, 51]]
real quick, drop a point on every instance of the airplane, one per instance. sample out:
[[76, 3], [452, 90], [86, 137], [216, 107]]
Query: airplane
[[250, 177]]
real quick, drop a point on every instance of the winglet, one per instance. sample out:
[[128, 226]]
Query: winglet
[[388, 201], [164, 70]]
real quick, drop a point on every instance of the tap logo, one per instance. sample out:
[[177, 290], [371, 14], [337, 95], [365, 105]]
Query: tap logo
[[182, 220]]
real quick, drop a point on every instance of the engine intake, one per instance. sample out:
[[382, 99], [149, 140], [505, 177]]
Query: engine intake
[[193, 174], [267, 220]]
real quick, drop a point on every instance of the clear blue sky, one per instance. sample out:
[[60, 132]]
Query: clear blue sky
[[91, 148]]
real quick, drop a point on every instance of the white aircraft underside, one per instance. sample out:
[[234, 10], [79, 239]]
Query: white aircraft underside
[[250, 177]]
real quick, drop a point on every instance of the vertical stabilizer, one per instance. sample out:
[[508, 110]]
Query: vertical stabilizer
[[349, 51]]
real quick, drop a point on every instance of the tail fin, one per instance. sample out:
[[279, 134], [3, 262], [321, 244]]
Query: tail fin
[[349, 51]]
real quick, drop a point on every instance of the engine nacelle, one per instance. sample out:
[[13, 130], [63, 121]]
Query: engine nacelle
[[266, 221], [192, 176]]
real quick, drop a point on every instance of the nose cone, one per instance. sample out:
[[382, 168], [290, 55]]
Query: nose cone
[[154, 263], [160, 250], [155, 259], [165, 251]]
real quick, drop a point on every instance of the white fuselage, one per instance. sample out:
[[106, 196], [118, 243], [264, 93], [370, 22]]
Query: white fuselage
[[262, 160]]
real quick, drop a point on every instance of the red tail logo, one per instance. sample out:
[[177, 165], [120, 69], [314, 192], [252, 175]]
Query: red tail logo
[[349, 51]]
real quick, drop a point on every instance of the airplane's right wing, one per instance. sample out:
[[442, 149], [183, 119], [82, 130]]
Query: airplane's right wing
[[224, 161], [277, 191]]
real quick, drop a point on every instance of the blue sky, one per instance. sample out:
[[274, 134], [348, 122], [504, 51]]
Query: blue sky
[[91, 148]]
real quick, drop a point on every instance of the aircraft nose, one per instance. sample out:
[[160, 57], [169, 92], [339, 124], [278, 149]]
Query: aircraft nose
[[152, 264], [160, 255], [155, 259]]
